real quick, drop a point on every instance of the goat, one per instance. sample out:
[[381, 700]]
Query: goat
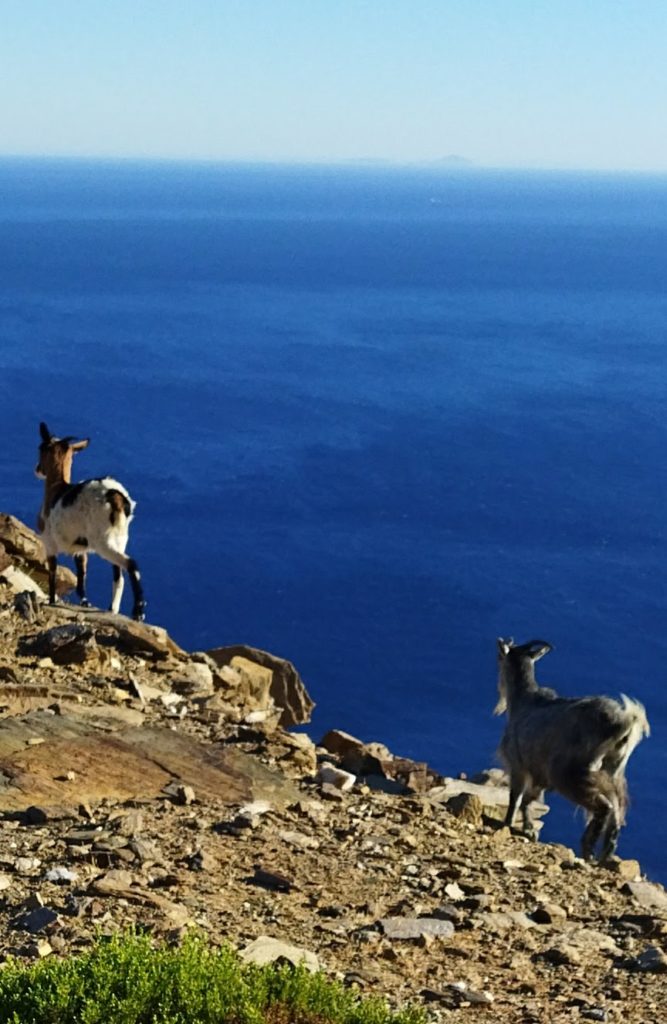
[[577, 747], [91, 516]]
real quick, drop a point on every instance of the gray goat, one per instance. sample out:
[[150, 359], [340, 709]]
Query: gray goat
[[578, 747]]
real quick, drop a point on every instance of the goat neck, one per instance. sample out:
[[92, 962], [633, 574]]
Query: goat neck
[[56, 468]]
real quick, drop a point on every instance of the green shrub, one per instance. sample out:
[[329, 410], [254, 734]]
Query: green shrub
[[127, 980]]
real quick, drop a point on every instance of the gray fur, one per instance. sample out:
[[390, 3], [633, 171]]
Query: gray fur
[[578, 747]]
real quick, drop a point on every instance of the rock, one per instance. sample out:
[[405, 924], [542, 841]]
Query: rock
[[39, 949], [247, 684], [20, 583], [592, 940], [266, 950], [466, 807], [61, 875], [138, 638], [26, 548], [454, 891], [336, 777], [415, 927], [26, 865], [355, 756], [194, 679], [37, 920], [26, 604], [494, 797], [376, 763], [300, 751], [115, 882], [473, 996], [629, 870], [19, 539], [71, 644], [648, 895], [271, 880], [5, 560], [128, 764], [502, 922], [652, 961], [562, 955], [549, 913], [286, 688], [185, 795], [299, 839]]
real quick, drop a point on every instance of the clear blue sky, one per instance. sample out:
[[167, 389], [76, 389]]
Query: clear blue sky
[[550, 83]]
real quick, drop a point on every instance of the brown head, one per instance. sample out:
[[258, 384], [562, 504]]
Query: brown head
[[54, 463]]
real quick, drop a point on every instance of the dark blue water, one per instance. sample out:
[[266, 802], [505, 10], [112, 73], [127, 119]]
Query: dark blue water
[[373, 419]]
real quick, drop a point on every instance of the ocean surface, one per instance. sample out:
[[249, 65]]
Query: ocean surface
[[373, 419]]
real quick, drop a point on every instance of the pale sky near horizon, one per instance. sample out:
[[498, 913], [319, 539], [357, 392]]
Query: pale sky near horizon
[[519, 83]]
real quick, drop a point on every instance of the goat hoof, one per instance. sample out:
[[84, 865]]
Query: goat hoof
[[139, 612], [84, 603]]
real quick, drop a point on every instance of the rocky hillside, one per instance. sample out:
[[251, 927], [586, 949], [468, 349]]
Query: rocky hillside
[[141, 784]]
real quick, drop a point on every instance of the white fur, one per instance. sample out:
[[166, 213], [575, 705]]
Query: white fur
[[88, 516]]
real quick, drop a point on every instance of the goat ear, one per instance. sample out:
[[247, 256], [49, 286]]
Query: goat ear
[[538, 648], [45, 433], [78, 446], [504, 646]]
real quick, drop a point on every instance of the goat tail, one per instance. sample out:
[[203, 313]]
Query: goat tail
[[120, 505], [635, 713], [605, 794]]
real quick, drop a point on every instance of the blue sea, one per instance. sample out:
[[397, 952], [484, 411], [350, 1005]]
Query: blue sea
[[373, 418]]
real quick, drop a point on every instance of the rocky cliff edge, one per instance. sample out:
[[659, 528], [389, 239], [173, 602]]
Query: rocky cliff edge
[[142, 784]]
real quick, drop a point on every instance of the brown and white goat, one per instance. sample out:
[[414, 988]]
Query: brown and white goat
[[90, 516], [578, 747]]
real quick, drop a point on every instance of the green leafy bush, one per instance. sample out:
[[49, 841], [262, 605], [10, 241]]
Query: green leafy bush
[[127, 980]]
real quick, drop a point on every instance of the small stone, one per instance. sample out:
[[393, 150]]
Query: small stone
[[549, 913], [37, 920], [61, 875], [271, 880], [33, 902], [471, 995], [466, 807], [415, 927], [202, 861], [266, 950], [629, 870], [648, 895], [298, 839], [562, 956], [651, 961], [332, 776], [185, 795], [331, 793], [40, 949], [26, 865]]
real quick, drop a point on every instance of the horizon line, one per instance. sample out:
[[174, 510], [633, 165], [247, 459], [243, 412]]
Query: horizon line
[[455, 164]]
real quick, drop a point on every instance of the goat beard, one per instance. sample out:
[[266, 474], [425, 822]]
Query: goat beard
[[501, 706]]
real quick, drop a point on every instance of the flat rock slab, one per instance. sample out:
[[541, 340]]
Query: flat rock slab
[[648, 895], [415, 927], [127, 764], [266, 950]]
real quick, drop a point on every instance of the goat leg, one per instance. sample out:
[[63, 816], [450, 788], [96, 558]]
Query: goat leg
[[529, 829], [52, 563], [516, 793], [81, 563], [139, 608]]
